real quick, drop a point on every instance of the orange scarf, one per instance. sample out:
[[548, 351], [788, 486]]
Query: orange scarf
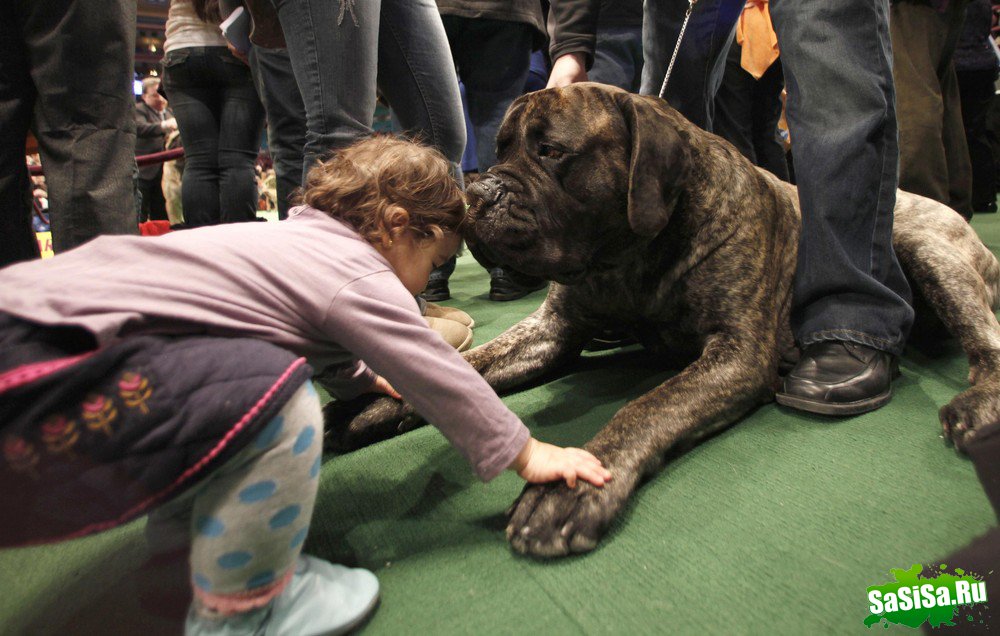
[[756, 35]]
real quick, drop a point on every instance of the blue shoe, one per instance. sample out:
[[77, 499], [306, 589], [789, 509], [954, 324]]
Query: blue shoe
[[322, 598]]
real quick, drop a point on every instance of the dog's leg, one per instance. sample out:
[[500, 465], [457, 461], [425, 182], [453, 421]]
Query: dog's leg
[[731, 377], [959, 278], [539, 343]]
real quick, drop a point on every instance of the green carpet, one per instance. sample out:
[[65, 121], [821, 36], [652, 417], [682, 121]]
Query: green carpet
[[775, 526]]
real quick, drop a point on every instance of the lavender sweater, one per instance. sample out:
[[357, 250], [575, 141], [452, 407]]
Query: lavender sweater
[[309, 284]]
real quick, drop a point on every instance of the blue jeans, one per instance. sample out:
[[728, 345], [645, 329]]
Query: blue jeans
[[837, 62], [286, 119], [493, 57], [220, 119], [339, 58], [618, 58]]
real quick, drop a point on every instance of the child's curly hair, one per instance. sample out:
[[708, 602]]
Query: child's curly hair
[[358, 184]]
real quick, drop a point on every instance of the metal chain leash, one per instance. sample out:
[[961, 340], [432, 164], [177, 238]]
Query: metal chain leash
[[680, 36]]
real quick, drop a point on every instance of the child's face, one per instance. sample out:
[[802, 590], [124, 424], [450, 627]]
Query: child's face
[[412, 260]]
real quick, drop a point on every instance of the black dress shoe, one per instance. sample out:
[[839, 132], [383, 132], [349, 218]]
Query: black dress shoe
[[506, 286], [839, 378], [436, 290]]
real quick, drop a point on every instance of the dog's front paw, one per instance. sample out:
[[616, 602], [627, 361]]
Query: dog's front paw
[[551, 520], [357, 423], [970, 411]]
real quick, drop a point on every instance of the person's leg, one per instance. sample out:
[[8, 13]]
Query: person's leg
[[493, 59], [17, 100], [734, 105], [765, 107], [849, 286], [416, 73], [334, 58], [157, 202], [241, 122], [82, 63], [918, 41], [196, 100], [494, 71], [618, 57], [145, 187], [976, 88], [154, 206], [248, 522], [286, 119], [701, 59], [955, 146], [956, 149]]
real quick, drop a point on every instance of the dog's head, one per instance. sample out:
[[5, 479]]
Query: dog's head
[[585, 174]]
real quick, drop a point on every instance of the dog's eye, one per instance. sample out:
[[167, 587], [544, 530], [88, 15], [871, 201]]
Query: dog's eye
[[545, 150]]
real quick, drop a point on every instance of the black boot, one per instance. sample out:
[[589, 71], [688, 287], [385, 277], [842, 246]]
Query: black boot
[[839, 378], [505, 285]]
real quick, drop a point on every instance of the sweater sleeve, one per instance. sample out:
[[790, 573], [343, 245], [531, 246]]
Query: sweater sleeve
[[376, 319], [573, 28], [346, 382]]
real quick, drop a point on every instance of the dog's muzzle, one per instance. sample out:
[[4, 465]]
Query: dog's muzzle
[[489, 189]]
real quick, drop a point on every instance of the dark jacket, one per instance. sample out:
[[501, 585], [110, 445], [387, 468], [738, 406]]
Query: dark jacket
[[573, 24], [526, 11], [94, 439], [149, 137], [973, 52]]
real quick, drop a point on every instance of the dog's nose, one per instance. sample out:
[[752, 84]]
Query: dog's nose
[[489, 188]]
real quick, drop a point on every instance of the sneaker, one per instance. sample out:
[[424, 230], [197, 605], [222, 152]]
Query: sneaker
[[436, 290], [321, 598], [454, 333], [504, 286], [431, 310]]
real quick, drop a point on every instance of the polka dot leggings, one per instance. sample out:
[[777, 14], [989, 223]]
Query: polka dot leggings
[[250, 518]]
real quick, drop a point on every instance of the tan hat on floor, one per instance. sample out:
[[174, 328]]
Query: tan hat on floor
[[432, 310], [454, 333]]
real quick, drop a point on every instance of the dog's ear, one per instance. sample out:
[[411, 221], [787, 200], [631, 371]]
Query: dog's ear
[[657, 165]]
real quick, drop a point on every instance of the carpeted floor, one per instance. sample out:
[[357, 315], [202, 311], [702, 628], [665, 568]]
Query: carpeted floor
[[775, 526]]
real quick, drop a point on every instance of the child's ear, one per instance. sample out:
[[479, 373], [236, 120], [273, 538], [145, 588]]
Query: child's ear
[[397, 219]]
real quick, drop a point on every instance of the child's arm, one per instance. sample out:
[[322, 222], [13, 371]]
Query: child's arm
[[539, 462]]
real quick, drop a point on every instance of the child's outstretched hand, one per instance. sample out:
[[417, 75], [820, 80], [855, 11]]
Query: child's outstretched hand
[[381, 385], [540, 462]]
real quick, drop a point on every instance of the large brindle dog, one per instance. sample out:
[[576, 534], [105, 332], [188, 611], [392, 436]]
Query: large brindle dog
[[644, 221]]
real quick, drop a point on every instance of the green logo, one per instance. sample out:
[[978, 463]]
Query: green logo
[[913, 599]]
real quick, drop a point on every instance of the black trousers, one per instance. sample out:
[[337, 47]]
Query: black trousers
[[747, 111], [154, 205], [976, 91], [66, 71]]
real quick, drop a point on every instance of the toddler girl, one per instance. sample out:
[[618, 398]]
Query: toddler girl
[[137, 372]]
